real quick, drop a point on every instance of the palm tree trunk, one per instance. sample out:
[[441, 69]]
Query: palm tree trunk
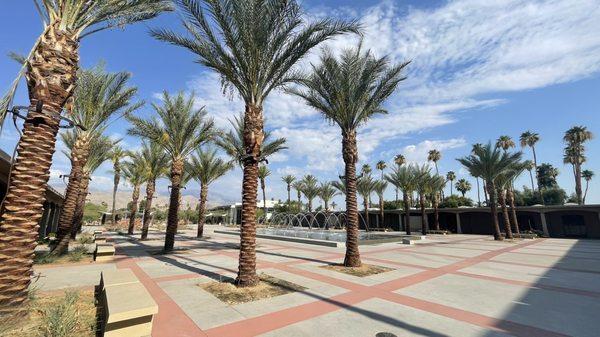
[[289, 195], [134, 208], [173, 216], [396, 196], [264, 197], [578, 189], [150, 189], [381, 213], [79, 155], [424, 223], [367, 220], [537, 177], [406, 213], [491, 187], [78, 217], [350, 155], [202, 209], [451, 191], [116, 180], [51, 75], [587, 185], [478, 195], [505, 217], [485, 193], [436, 213], [513, 210], [531, 177], [253, 139]]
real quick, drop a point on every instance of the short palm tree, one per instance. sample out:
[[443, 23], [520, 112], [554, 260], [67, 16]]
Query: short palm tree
[[310, 189], [489, 163], [51, 73], [399, 160], [463, 186], [587, 175], [505, 143], [423, 188], [232, 142], [366, 169], [365, 186], [434, 156], [575, 138], [379, 189], [117, 154], [514, 173], [436, 184], [529, 138], [326, 193], [134, 172], [263, 173], [381, 165], [297, 185], [403, 178], [254, 45], [206, 167], [288, 180], [100, 98], [179, 129], [348, 91], [450, 176], [156, 163]]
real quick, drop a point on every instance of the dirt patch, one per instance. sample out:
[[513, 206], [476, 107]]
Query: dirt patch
[[362, 271], [268, 287], [79, 254], [71, 313]]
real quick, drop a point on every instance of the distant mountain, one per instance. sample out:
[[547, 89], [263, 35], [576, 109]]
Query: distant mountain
[[160, 201]]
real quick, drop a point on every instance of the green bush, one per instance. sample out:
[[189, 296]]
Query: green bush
[[552, 196], [455, 201]]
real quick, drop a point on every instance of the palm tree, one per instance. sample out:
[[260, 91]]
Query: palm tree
[[156, 163], [423, 188], [179, 129], [478, 146], [297, 185], [134, 171], [399, 160], [379, 188], [366, 169], [489, 163], [575, 139], [403, 178], [365, 186], [530, 166], [206, 168], [513, 174], [434, 156], [463, 186], [436, 184], [263, 173], [505, 143], [310, 189], [288, 180], [587, 175], [51, 73], [450, 176], [348, 91], [381, 166], [254, 45], [99, 96], [529, 138], [117, 154], [232, 142], [502, 184], [326, 192]]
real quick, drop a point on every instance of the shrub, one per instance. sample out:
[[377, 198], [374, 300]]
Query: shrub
[[62, 318], [86, 238], [455, 201]]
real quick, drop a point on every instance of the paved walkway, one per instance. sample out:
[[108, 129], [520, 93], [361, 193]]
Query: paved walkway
[[457, 285]]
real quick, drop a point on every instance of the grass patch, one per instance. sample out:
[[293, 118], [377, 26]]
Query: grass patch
[[78, 254], [362, 271], [85, 238], [67, 314], [268, 287]]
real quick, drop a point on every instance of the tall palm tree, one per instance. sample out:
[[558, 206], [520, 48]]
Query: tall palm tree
[[254, 45], [206, 168], [381, 165], [489, 163], [530, 166], [232, 142], [434, 156], [450, 176], [134, 172], [51, 73], [98, 98], [436, 184], [310, 189], [403, 178], [587, 175], [513, 174], [297, 185], [423, 188], [399, 160], [463, 186], [575, 138], [529, 138], [365, 186], [348, 91], [478, 146], [379, 188], [117, 154], [505, 143], [502, 185], [288, 180], [263, 173], [179, 129], [326, 193], [156, 165]]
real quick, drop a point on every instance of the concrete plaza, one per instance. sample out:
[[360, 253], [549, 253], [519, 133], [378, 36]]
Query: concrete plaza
[[456, 285]]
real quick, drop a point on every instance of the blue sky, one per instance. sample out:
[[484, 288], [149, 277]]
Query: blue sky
[[479, 70]]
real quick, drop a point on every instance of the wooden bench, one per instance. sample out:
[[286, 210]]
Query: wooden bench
[[104, 252]]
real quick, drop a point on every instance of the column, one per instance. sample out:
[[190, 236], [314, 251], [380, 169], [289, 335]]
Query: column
[[544, 225], [458, 227]]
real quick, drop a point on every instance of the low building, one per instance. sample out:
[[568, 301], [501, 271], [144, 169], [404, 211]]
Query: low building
[[52, 204]]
